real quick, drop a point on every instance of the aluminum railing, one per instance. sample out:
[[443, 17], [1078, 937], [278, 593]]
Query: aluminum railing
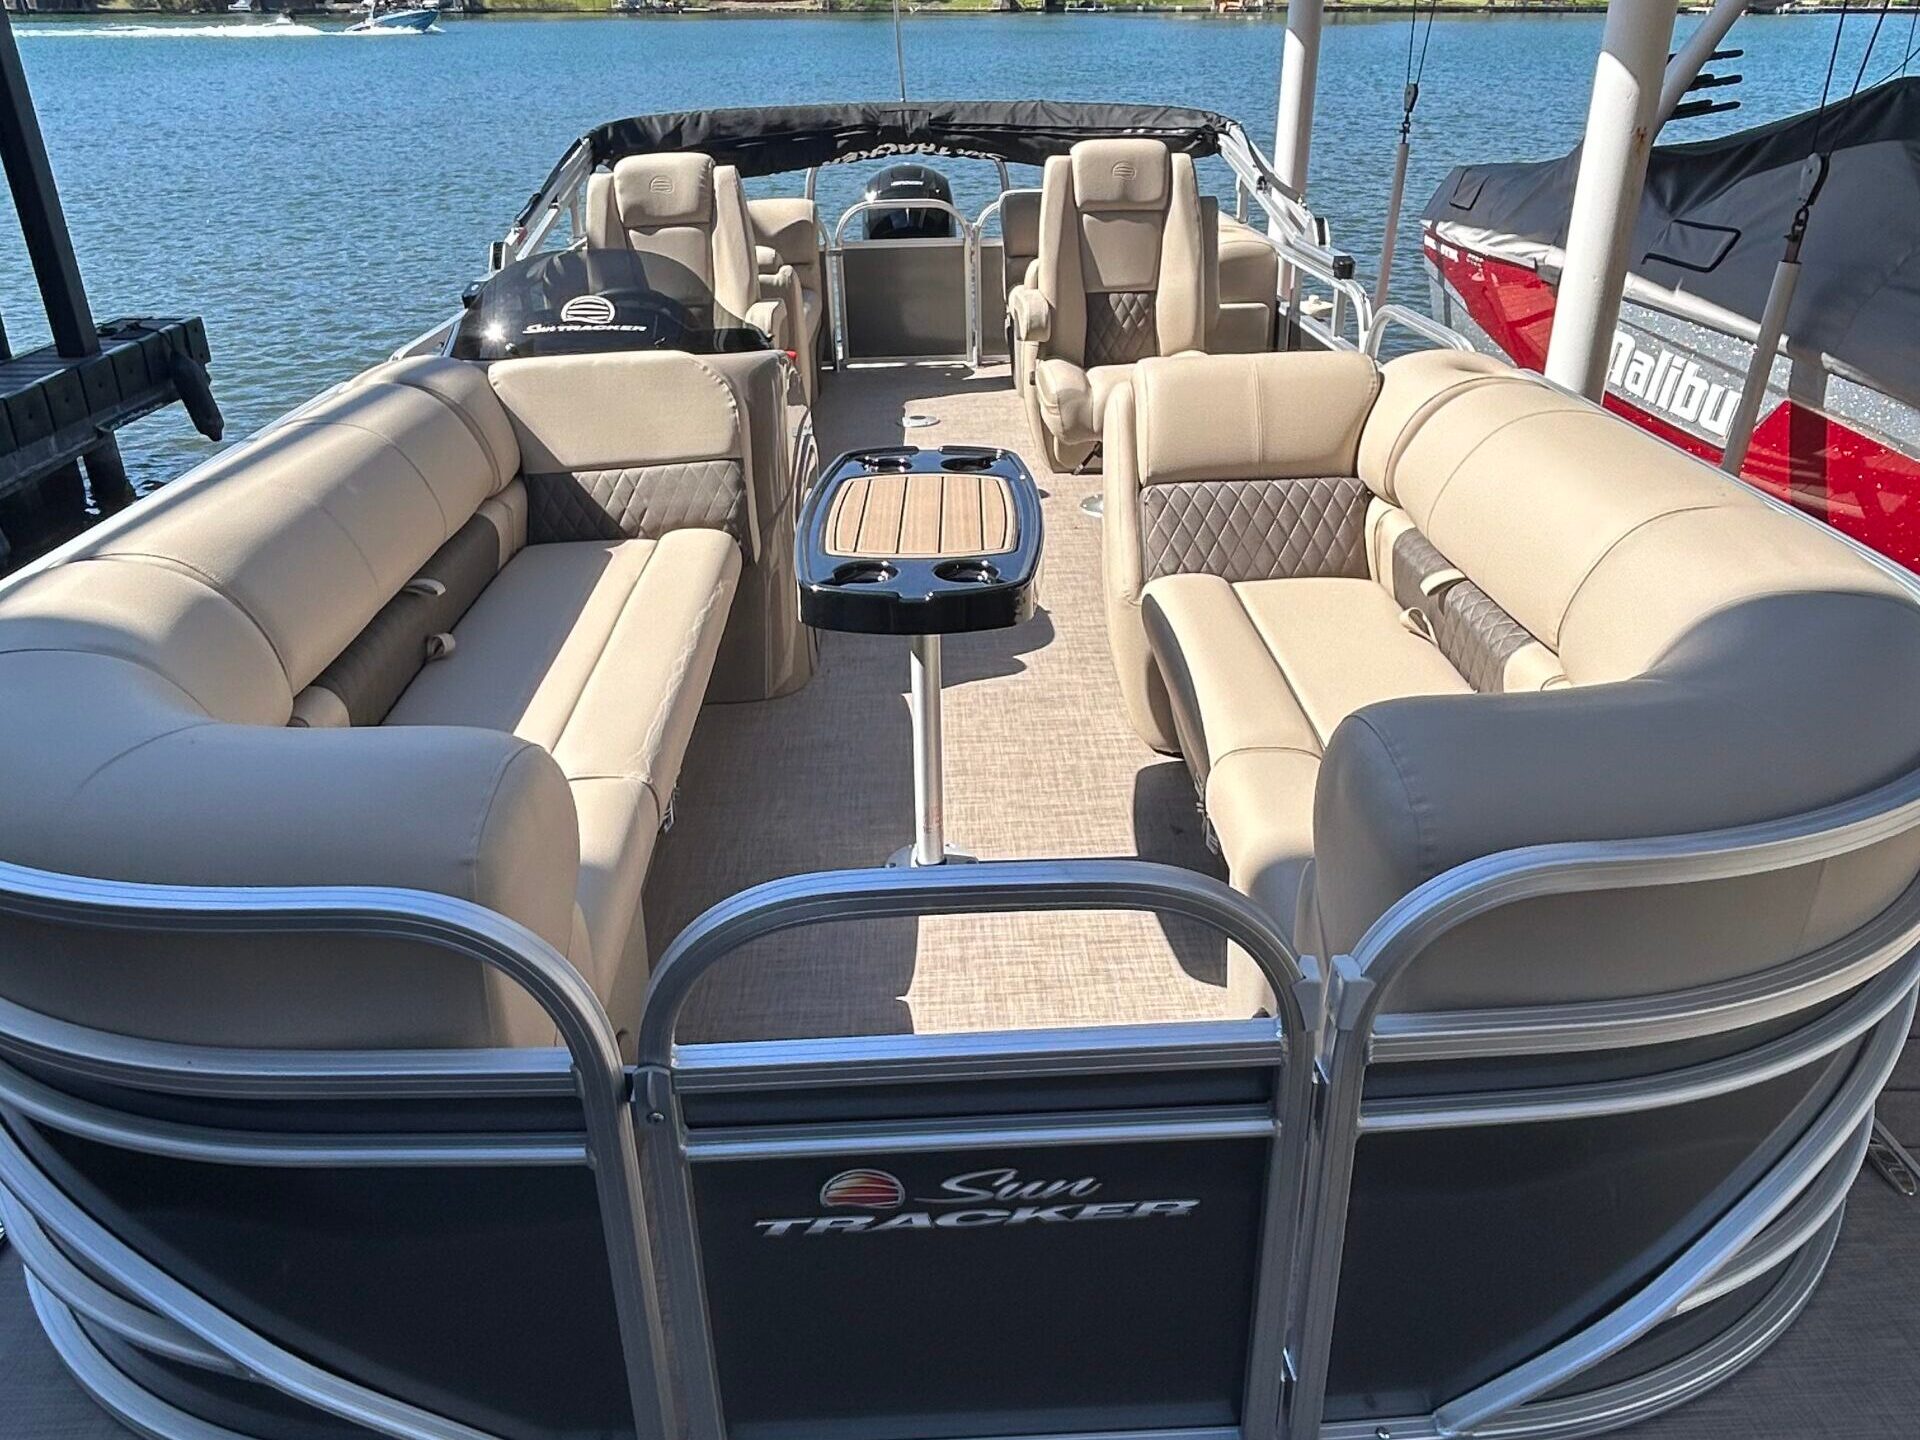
[[838, 245], [1876, 969], [589, 1066], [973, 889]]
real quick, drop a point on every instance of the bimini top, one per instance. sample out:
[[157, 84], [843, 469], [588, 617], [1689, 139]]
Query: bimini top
[[772, 139], [1715, 217]]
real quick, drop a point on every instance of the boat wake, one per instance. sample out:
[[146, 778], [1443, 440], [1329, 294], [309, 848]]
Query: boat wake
[[249, 30]]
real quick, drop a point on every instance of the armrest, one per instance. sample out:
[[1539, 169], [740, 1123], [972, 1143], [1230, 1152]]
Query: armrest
[[775, 280], [769, 317], [1032, 316], [766, 259]]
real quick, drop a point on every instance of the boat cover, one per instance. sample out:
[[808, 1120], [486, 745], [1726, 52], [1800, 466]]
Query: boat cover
[[1715, 216], [769, 140]]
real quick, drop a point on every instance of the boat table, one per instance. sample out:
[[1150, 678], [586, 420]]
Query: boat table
[[923, 543]]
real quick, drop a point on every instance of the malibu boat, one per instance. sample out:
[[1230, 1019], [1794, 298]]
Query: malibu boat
[[1834, 418], [488, 943]]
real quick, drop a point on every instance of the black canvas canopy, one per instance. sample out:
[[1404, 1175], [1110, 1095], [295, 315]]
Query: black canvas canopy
[[772, 139], [1715, 216]]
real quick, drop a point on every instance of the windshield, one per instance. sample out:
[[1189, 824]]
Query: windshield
[[575, 302]]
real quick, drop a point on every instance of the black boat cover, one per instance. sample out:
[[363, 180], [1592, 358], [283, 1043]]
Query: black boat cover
[[1715, 216], [776, 138]]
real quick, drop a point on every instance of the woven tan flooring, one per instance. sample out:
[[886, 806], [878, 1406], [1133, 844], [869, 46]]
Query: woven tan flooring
[[1040, 762]]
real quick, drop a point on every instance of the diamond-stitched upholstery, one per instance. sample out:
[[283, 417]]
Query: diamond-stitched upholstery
[[1121, 327], [1472, 631], [638, 502], [1255, 529], [1478, 636]]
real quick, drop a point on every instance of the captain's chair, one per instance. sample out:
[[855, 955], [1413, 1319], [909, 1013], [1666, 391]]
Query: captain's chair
[[1120, 277], [686, 209]]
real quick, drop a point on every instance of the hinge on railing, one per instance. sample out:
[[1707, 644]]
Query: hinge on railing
[[653, 1093], [1343, 998]]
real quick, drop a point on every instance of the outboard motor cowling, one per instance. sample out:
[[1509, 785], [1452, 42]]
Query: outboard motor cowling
[[909, 182]]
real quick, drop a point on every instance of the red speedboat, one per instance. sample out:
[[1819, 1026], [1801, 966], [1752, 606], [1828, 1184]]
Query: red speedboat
[[1838, 431]]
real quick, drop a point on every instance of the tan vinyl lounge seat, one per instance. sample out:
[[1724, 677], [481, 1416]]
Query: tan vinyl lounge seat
[[1120, 277], [786, 232], [1244, 276], [447, 629], [1397, 619], [688, 210]]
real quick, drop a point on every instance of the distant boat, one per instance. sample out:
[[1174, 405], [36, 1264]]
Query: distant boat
[[243, 7], [417, 18]]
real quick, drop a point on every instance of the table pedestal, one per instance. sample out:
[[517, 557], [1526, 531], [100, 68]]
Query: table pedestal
[[929, 845]]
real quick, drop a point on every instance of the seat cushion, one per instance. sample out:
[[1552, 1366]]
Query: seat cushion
[[1343, 645], [1260, 675], [1229, 695], [598, 651], [1074, 401]]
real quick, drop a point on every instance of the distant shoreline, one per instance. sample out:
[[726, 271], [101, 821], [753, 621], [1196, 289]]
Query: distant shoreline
[[801, 9]]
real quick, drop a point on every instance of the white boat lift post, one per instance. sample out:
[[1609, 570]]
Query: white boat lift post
[[1293, 128], [1630, 83], [1621, 120]]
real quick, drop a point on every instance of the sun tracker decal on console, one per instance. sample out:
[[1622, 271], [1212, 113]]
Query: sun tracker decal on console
[[863, 1190], [976, 1199], [588, 310]]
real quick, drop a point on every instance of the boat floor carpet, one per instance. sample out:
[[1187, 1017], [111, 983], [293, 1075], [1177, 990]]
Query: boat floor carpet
[[1040, 762]]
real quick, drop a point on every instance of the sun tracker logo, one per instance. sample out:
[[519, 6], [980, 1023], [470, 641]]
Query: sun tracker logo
[[1000, 1196], [587, 310], [863, 1190]]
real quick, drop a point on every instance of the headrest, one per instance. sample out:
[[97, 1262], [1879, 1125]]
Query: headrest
[[1121, 174], [1413, 388], [1250, 417], [654, 190]]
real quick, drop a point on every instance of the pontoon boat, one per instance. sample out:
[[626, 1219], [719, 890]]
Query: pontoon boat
[[1446, 863]]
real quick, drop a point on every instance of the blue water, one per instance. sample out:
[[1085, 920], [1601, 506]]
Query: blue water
[[320, 198]]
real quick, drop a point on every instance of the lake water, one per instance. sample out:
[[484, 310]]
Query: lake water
[[321, 198]]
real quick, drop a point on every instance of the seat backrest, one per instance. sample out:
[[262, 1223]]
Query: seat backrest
[[685, 209], [1241, 470], [1246, 273], [789, 225], [597, 466], [1120, 251], [1019, 234]]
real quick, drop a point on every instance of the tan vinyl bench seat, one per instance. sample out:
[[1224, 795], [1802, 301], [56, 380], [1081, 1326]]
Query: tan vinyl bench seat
[[1400, 618], [448, 628]]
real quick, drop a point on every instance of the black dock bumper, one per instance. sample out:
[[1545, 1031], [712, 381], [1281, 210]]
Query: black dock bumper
[[55, 408]]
